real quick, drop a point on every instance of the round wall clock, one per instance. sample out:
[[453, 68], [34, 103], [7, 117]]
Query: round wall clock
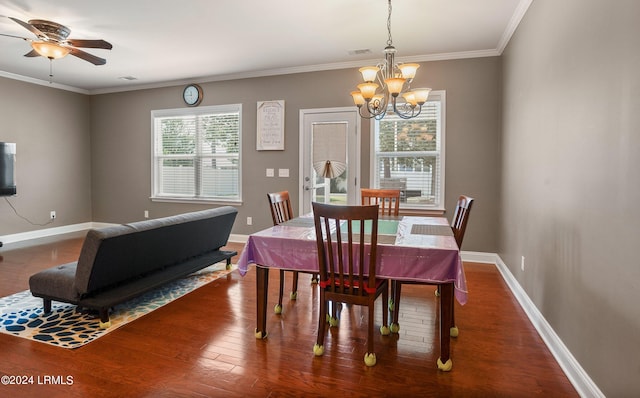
[[192, 95]]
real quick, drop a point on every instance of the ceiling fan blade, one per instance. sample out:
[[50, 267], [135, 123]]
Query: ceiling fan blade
[[90, 43], [87, 57], [32, 53], [29, 27]]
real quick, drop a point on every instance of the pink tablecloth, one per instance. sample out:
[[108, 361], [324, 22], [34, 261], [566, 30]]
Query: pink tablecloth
[[413, 257]]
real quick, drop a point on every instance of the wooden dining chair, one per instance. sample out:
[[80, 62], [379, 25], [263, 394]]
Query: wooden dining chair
[[281, 211], [389, 202], [458, 226], [387, 199], [347, 266]]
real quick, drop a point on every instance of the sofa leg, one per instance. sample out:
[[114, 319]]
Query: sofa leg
[[105, 322], [46, 303]]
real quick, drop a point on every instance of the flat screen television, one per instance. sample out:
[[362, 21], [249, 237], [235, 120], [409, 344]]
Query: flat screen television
[[7, 169]]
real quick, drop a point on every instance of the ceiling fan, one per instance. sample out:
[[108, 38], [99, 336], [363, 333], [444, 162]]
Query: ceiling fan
[[52, 41]]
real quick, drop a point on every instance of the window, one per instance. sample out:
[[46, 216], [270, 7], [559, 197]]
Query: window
[[196, 154], [409, 155]]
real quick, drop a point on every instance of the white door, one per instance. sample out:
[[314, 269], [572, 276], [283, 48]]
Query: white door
[[344, 125]]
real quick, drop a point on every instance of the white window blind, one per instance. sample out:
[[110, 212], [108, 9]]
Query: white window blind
[[409, 155], [196, 153]]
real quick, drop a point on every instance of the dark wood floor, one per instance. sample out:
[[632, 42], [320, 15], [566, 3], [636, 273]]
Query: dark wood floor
[[203, 345]]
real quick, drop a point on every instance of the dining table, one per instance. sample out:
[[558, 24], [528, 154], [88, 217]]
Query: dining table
[[410, 248]]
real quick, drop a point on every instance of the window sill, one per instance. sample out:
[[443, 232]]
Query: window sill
[[422, 212], [195, 201]]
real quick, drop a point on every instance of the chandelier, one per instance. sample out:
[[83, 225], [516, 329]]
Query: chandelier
[[394, 81]]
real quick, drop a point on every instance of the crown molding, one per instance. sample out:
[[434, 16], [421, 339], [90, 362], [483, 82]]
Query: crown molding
[[513, 24], [39, 82]]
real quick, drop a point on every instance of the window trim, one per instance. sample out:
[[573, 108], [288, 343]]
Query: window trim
[[181, 112], [439, 95]]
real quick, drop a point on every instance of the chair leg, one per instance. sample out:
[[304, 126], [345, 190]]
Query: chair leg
[[370, 331], [384, 329], [294, 286], [370, 356], [454, 328], [333, 307], [318, 348], [278, 308], [396, 291]]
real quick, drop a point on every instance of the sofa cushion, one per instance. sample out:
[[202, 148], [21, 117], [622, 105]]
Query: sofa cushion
[[56, 282]]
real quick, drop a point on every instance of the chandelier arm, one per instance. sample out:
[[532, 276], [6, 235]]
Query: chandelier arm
[[365, 116], [377, 112], [407, 115], [379, 107]]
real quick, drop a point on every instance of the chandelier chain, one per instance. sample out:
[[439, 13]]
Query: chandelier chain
[[389, 40]]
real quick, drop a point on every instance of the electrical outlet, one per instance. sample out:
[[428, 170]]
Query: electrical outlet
[[522, 264], [53, 214], [249, 221], [146, 214]]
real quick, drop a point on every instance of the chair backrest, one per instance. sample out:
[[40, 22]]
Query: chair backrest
[[280, 206], [347, 238], [387, 199], [461, 217]]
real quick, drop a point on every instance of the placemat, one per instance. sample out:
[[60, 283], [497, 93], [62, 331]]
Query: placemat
[[305, 222], [430, 229], [382, 239]]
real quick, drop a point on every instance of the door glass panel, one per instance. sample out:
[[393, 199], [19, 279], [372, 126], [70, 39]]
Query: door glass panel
[[329, 145], [335, 131]]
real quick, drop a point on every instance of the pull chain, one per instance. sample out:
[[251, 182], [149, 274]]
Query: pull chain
[[50, 70]]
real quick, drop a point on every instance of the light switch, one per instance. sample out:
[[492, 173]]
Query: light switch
[[283, 172], [270, 173]]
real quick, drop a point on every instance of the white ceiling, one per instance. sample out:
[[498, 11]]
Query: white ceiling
[[166, 42]]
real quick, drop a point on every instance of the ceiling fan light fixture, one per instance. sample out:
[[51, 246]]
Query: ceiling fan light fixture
[[50, 50]]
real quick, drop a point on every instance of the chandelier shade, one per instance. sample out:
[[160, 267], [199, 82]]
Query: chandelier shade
[[369, 73], [394, 80]]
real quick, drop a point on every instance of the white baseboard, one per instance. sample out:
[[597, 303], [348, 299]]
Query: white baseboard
[[235, 238], [575, 373], [47, 232], [43, 233], [479, 257]]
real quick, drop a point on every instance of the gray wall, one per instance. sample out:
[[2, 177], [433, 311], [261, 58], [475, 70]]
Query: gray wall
[[570, 183], [51, 130], [121, 141]]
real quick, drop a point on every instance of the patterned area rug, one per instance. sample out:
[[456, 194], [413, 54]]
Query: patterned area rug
[[21, 313]]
